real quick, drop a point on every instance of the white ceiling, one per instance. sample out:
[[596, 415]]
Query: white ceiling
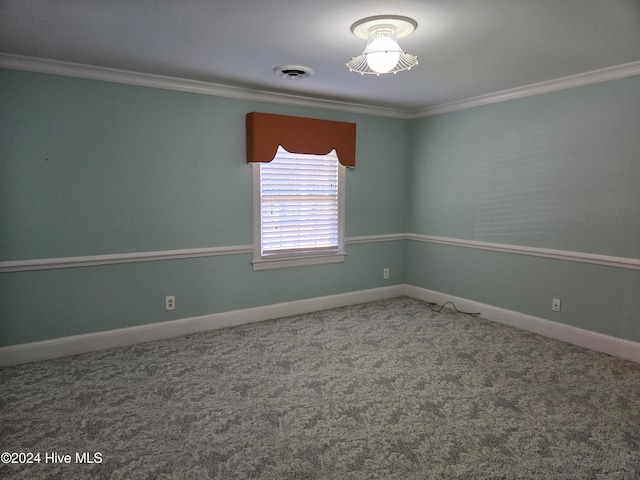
[[466, 47]]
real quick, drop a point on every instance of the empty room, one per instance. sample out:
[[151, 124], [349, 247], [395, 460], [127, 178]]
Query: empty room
[[320, 240]]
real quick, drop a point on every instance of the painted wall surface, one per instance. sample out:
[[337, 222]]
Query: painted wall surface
[[94, 168], [558, 171], [46, 304]]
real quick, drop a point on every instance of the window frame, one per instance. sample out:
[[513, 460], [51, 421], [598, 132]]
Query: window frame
[[296, 258]]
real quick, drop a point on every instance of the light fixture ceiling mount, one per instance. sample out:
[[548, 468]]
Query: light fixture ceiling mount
[[382, 53]]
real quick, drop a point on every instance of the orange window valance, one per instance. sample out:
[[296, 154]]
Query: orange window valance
[[266, 131]]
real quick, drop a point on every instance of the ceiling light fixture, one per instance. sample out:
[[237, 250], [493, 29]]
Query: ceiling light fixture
[[382, 53]]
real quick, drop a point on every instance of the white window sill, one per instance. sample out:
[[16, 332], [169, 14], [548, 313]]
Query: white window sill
[[301, 261]]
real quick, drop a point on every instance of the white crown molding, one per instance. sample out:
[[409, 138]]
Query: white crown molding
[[122, 337], [20, 62], [598, 342], [586, 78], [69, 69], [592, 258]]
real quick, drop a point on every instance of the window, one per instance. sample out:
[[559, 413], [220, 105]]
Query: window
[[298, 210]]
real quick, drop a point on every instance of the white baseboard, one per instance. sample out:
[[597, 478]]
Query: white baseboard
[[90, 342], [78, 344], [599, 342]]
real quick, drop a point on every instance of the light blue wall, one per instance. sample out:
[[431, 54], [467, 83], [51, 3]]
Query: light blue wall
[[47, 304], [597, 298], [93, 168], [557, 171]]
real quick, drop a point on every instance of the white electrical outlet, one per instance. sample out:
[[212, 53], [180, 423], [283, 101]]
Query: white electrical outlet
[[169, 302], [385, 273], [555, 306]]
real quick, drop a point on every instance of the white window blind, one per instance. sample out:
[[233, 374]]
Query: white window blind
[[299, 204], [298, 210]]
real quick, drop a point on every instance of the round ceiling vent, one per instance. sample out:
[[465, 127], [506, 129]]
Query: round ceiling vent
[[293, 72]]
